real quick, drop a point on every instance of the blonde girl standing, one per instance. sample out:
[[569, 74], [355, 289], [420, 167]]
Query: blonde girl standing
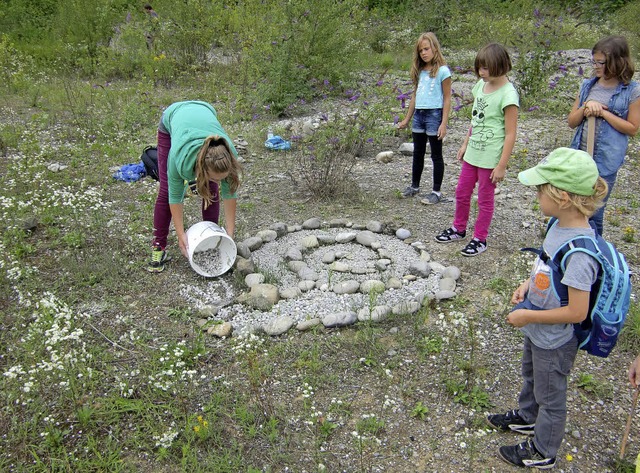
[[429, 108], [487, 147], [612, 97]]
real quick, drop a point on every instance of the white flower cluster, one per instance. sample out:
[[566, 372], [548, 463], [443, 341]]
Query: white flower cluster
[[246, 344], [166, 439], [56, 349], [174, 372]]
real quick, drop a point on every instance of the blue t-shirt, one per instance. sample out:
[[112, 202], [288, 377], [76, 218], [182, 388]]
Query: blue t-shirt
[[429, 92]]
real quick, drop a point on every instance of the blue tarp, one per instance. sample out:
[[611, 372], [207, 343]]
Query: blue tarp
[[276, 142], [130, 172]]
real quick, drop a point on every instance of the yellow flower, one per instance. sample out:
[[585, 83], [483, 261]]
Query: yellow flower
[[569, 457], [196, 428], [199, 419], [205, 423]]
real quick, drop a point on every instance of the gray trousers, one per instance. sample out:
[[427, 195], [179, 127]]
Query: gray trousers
[[543, 398]]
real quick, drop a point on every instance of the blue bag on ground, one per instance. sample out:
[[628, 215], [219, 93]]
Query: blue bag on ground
[[277, 142], [610, 294], [130, 172]]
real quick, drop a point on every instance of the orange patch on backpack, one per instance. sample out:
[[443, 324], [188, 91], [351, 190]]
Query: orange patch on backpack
[[542, 281]]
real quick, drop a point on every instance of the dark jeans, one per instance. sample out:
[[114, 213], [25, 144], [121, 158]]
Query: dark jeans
[[598, 217], [162, 211]]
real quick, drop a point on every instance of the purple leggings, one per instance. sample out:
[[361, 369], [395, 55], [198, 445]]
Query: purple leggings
[[469, 175], [162, 211]]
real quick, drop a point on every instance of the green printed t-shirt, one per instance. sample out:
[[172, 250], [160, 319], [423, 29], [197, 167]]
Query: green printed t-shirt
[[189, 124], [487, 124]]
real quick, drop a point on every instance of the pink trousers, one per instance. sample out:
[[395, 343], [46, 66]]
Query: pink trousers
[[469, 175]]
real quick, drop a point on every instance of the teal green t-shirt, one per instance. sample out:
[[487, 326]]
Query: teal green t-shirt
[[487, 124], [189, 124]]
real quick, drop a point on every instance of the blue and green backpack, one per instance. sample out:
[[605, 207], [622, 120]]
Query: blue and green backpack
[[610, 293]]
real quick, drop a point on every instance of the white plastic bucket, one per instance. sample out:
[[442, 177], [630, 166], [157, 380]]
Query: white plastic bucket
[[211, 251]]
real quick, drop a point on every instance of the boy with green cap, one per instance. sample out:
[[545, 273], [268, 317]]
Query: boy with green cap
[[569, 189]]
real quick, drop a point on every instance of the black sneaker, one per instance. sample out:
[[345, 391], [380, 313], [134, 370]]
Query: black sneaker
[[474, 248], [410, 191], [449, 235], [526, 454], [511, 421]]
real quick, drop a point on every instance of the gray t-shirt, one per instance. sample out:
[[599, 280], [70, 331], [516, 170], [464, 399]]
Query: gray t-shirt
[[602, 94], [580, 273]]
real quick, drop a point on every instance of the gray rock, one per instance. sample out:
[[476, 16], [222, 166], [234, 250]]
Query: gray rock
[[385, 254], [306, 286], [290, 292], [308, 274], [308, 324], [340, 267], [267, 235], [254, 278], [280, 229], [384, 157], [309, 242], [346, 287], [296, 265], [243, 250], [366, 238], [437, 267], [451, 272], [405, 308], [377, 314], [372, 285], [245, 266], [338, 223], [261, 296], [278, 326], [394, 283], [374, 226], [312, 224], [418, 245], [441, 295], [339, 319], [403, 233], [329, 257], [406, 149], [293, 254], [220, 330], [420, 268], [253, 243], [326, 239], [447, 284], [345, 237], [361, 270], [424, 256], [209, 310]]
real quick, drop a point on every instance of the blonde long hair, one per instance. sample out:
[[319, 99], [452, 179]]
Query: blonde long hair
[[215, 156], [418, 64]]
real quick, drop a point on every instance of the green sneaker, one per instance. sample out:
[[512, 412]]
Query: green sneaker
[[158, 259]]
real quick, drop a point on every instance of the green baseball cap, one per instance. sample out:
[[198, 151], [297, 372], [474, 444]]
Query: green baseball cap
[[568, 169]]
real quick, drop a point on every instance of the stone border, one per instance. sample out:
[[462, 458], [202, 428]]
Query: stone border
[[263, 296]]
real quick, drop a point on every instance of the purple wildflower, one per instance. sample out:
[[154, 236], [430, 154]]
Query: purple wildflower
[[380, 82], [580, 71], [396, 119], [535, 107], [326, 82], [369, 140]]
